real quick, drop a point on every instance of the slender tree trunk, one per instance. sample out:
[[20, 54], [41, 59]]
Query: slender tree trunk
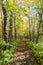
[[10, 36], [29, 20], [40, 22], [29, 32], [4, 24], [42, 14], [15, 35], [33, 31], [38, 30]]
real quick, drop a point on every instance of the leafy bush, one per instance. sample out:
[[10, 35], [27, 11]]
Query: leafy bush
[[7, 51], [14, 45], [37, 49]]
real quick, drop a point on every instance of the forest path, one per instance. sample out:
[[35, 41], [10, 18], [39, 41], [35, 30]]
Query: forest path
[[23, 55]]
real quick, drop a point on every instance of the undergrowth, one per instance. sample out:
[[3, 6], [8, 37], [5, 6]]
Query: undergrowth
[[7, 51], [37, 49]]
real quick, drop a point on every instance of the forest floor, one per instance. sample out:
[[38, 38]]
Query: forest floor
[[23, 56]]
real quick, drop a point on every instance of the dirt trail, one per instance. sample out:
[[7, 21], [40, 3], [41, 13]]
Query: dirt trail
[[23, 56]]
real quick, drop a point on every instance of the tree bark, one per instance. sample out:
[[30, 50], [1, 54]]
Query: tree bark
[[10, 36], [4, 24], [15, 36], [38, 29]]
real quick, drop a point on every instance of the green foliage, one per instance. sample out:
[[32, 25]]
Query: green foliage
[[13, 48], [6, 54], [37, 49], [7, 50]]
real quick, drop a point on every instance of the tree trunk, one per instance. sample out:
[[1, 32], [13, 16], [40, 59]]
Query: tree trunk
[[10, 36], [15, 36], [38, 30], [4, 24], [29, 21]]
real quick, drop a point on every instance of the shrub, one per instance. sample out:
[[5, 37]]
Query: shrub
[[7, 51], [37, 49]]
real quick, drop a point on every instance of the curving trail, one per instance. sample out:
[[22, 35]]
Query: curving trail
[[23, 56]]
